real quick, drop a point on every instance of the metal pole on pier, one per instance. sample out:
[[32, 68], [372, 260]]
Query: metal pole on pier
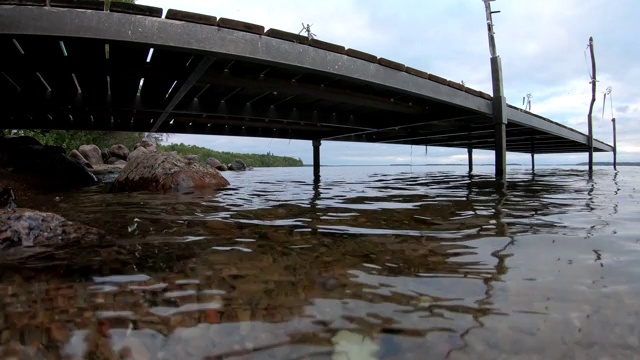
[[316, 159], [593, 100], [615, 148], [499, 101]]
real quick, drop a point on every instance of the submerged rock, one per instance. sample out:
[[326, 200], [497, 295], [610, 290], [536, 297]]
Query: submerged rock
[[163, 171], [27, 233]]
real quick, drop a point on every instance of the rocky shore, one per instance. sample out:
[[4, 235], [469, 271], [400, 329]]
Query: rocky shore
[[27, 166]]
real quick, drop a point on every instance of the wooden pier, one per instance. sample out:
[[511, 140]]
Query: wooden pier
[[70, 65]]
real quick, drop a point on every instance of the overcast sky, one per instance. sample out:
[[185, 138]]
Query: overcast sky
[[542, 44]]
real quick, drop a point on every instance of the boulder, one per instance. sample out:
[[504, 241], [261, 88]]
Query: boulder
[[145, 143], [237, 165], [7, 198], [28, 156], [137, 152], [115, 160], [119, 151], [105, 154], [191, 157], [215, 163], [26, 234], [91, 153], [162, 171], [75, 155]]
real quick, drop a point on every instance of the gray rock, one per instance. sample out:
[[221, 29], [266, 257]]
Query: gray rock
[[137, 152], [75, 155], [47, 162], [115, 161], [105, 154], [145, 143], [213, 162], [191, 157], [119, 151], [91, 153], [237, 165], [162, 171]]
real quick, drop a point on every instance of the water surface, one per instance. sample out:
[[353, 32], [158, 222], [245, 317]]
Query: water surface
[[393, 262]]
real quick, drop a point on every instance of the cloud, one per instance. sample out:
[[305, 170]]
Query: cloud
[[541, 43]]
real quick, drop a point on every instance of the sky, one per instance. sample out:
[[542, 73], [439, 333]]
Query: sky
[[542, 44]]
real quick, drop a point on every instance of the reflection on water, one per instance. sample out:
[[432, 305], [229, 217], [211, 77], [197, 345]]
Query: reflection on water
[[392, 263]]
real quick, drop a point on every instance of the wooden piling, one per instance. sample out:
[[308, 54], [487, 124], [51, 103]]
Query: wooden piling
[[316, 159], [593, 100]]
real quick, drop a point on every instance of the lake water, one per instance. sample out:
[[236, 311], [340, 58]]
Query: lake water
[[371, 263]]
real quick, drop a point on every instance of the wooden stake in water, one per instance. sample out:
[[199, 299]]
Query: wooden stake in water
[[615, 148], [593, 100]]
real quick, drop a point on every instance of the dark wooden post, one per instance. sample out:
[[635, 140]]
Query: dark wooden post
[[593, 100], [533, 156], [470, 158], [316, 159], [615, 147], [499, 101]]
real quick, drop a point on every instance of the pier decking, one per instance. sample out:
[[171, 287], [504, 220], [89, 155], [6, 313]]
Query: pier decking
[[71, 65]]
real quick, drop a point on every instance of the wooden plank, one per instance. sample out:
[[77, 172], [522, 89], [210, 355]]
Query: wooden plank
[[241, 26], [362, 55], [485, 95], [285, 35], [166, 67], [88, 58], [438, 79], [51, 66], [133, 9], [327, 46], [125, 65], [24, 2], [391, 64], [455, 85], [187, 16], [416, 72], [472, 91], [78, 4]]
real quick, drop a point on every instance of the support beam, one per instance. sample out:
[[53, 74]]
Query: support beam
[[615, 147], [499, 120], [533, 156], [202, 66], [316, 159], [470, 158], [499, 103], [593, 100]]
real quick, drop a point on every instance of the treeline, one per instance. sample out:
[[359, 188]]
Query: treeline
[[73, 139], [253, 160]]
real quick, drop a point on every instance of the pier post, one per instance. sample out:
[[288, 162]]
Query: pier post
[[593, 100], [470, 158], [615, 147], [499, 101], [533, 156], [316, 159]]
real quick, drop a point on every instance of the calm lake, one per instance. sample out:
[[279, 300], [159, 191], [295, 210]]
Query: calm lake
[[371, 263]]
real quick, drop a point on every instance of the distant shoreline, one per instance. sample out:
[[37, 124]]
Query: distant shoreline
[[465, 165]]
